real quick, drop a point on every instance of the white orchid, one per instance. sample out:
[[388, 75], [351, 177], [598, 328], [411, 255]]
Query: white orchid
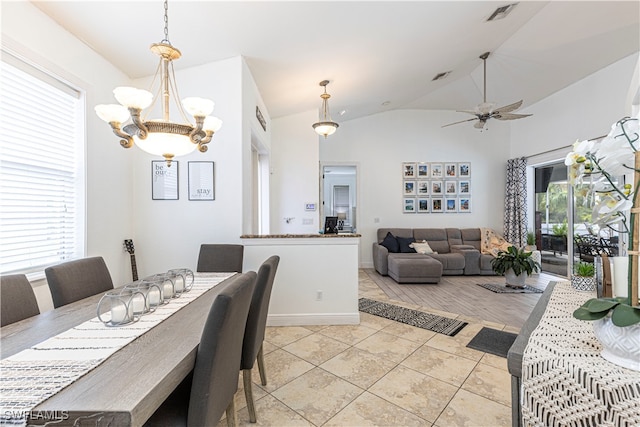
[[603, 163]]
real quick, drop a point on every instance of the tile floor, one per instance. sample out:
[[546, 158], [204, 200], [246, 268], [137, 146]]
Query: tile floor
[[378, 373]]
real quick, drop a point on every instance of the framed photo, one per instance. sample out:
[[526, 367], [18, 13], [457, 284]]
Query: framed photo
[[331, 225], [464, 204], [450, 170], [436, 170], [164, 180], [423, 170], [423, 188], [409, 205], [409, 188], [464, 187], [408, 170], [436, 204], [450, 187], [464, 170], [451, 205], [423, 205], [436, 188], [201, 181]]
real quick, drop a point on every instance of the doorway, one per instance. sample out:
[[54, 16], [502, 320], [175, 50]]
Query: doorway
[[338, 195]]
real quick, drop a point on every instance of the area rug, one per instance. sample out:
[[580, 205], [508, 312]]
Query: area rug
[[419, 319], [502, 289], [493, 341]]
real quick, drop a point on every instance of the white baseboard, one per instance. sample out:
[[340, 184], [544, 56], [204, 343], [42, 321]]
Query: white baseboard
[[367, 264], [313, 319]]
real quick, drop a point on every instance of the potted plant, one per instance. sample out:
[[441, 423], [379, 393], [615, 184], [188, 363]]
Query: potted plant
[[531, 241], [583, 278], [516, 265]]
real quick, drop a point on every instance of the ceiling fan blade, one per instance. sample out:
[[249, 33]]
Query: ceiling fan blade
[[508, 108], [510, 116], [461, 121]]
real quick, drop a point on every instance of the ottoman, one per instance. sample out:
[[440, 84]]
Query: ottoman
[[422, 269]]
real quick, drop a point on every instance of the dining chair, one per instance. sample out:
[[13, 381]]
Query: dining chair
[[74, 280], [254, 332], [17, 299], [220, 258], [214, 380]]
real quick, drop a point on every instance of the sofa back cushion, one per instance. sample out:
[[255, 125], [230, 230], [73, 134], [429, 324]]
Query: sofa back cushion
[[454, 236], [397, 232], [471, 236], [436, 237]]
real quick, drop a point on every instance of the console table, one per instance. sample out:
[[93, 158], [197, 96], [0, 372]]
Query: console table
[[558, 375]]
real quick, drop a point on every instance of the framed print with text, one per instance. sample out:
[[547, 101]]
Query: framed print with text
[[201, 181], [164, 180]]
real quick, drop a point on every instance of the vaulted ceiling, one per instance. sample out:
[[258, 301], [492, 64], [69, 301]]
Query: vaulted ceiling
[[378, 55]]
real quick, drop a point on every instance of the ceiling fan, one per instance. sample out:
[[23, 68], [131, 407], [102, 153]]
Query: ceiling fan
[[486, 110]]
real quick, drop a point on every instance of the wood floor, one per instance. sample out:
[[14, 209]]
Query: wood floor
[[461, 295]]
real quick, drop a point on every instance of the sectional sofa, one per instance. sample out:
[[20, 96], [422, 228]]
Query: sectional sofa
[[455, 252]]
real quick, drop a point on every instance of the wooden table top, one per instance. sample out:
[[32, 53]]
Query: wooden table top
[[126, 388]]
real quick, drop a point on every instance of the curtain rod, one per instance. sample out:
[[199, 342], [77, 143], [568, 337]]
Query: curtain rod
[[562, 148]]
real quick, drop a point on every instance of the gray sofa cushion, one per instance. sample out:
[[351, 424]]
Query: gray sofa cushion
[[471, 236], [436, 237], [451, 263]]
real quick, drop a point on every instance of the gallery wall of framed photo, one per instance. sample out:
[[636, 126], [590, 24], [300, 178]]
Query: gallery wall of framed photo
[[436, 187]]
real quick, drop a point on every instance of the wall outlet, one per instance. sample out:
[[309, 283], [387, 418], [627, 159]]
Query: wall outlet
[[318, 295]]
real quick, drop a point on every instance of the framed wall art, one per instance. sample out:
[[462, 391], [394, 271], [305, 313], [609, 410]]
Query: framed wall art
[[464, 170], [409, 205], [436, 188], [423, 188], [409, 188], [436, 204], [423, 205], [164, 180], [464, 187], [451, 205], [409, 170], [201, 181], [451, 170], [436, 170], [464, 204], [450, 187], [423, 170]]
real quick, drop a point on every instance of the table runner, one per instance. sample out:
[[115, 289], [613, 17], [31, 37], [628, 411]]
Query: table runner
[[35, 374], [565, 381]]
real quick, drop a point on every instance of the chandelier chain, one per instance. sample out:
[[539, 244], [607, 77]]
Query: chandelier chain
[[166, 22]]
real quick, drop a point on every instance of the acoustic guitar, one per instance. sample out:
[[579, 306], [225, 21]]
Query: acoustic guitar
[[128, 246]]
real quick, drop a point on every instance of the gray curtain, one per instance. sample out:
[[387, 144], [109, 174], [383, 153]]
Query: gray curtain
[[515, 202]]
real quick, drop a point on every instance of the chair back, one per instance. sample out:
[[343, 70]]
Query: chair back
[[220, 258], [257, 319], [18, 301], [215, 376], [74, 280]]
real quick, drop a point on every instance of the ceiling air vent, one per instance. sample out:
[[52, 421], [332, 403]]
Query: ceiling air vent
[[501, 12], [440, 76]]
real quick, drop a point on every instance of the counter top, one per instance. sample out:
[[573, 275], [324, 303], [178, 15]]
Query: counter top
[[295, 236]]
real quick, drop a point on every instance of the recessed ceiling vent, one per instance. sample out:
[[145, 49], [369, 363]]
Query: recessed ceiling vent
[[441, 76], [501, 12]]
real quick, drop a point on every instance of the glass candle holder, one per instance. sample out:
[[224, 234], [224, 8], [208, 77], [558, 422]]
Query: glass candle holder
[[115, 308], [152, 296], [166, 284], [183, 279]]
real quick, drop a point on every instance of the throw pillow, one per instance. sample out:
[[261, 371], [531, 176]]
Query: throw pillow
[[422, 247], [391, 243], [404, 243]]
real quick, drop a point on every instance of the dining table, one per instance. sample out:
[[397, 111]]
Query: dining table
[[123, 389]]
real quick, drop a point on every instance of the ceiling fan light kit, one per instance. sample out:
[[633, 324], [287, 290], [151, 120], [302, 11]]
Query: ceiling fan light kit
[[485, 110]]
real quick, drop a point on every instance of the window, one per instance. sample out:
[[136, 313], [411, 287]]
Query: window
[[41, 169]]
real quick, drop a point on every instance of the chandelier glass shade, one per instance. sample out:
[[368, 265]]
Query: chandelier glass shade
[[161, 136], [325, 126]]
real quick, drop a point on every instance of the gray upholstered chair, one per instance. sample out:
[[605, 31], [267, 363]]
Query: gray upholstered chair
[[74, 280], [18, 301], [215, 377], [220, 258], [254, 332]]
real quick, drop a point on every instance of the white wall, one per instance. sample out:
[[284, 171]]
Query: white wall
[[380, 143], [294, 176], [109, 167]]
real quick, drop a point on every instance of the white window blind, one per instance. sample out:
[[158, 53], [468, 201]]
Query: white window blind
[[41, 159], [341, 199]]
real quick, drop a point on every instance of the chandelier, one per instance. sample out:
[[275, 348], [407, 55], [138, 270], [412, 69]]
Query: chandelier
[[325, 126], [160, 137]]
